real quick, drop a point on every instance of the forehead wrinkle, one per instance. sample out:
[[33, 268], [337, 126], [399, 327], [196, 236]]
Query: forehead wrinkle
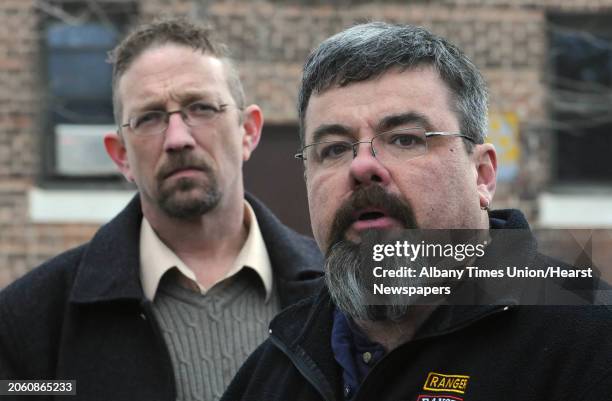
[[153, 82], [325, 130], [400, 95], [182, 98], [392, 121], [190, 96]]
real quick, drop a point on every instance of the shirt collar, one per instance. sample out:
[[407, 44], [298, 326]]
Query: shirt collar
[[254, 253], [156, 258]]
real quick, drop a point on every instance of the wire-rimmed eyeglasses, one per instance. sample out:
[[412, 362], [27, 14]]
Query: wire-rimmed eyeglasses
[[155, 122], [396, 145]]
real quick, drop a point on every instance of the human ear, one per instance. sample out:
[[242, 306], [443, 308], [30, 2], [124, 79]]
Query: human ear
[[252, 124], [485, 159], [115, 148]]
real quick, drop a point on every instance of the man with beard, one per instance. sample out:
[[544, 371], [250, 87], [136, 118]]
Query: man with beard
[[170, 297], [393, 120]]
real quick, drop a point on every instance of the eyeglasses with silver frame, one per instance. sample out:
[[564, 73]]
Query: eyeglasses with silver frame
[[395, 145], [155, 122]]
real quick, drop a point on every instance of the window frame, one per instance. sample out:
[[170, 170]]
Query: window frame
[[122, 15], [597, 24]]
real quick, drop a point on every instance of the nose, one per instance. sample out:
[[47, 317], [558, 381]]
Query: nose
[[178, 135], [366, 169]]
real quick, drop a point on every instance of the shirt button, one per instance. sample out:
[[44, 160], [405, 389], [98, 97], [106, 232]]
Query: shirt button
[[347, 391], [367, 357]]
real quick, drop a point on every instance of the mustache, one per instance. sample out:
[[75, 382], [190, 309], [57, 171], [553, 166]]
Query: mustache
[[181, 161], [373, 196]]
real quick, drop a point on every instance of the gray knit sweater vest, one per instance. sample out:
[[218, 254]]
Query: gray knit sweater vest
[[210, 336]]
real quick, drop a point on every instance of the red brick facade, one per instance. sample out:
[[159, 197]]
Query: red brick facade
[[270, 39]]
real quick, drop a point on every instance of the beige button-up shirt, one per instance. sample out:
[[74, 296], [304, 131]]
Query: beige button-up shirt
[[156, 258]]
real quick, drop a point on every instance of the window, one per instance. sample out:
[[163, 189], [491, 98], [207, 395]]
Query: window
[[78, 108], [580, 61]]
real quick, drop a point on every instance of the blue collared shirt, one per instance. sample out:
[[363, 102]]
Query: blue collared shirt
[[354, 351]]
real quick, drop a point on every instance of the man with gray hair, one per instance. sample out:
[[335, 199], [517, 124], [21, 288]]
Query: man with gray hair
[[170, 297], [393, 121]]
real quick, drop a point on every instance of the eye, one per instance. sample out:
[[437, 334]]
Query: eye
[[147, 119], [406, 140], [201, 109], [332, 150]]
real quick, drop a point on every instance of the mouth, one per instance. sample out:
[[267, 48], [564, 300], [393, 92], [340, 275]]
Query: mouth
[[370, 208], [183, 172], [365, 215], [373, 218]]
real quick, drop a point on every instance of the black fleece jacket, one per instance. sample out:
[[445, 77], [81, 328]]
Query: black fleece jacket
[[461, 353], [83, 314]]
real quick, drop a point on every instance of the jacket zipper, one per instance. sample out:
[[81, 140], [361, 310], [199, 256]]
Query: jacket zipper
[[301, 366]]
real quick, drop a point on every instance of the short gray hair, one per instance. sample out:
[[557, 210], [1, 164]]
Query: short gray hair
[[367, 51]]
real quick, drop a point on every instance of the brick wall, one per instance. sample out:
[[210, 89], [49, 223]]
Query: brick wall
[[18, 152], [270, 39]]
